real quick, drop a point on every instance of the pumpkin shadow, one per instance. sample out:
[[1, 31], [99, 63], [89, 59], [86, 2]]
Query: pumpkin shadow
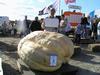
[[63, 70], [67, 69]]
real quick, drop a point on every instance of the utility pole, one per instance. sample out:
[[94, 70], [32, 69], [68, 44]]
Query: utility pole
[[59, 6]]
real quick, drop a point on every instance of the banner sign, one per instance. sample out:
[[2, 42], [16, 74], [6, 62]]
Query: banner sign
[[51, 22], [74, 7]]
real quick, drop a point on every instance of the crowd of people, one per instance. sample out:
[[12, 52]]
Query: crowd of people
[[86, 29]]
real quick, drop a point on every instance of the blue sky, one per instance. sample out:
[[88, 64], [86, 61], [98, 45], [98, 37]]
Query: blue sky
[[17, 9]]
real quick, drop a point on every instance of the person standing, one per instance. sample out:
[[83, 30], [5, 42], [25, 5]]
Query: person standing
[[85, 27], [35, 25], [62, 25], [51, 18], [26, 23], [4, 25], [78, 33], [98, 31], [41, 22], [94, 29], [24, 27], [90, 26]]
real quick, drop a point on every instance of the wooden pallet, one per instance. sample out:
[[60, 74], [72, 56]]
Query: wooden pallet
[[77, 51], [86, 41], [95, 47]]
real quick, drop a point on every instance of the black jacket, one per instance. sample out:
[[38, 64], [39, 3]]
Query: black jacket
[[35, 26]]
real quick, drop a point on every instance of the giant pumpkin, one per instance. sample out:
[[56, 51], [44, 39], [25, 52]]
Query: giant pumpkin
[[37, 48]]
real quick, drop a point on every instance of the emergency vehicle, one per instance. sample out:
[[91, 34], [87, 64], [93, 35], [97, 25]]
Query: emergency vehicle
[[73, 17]]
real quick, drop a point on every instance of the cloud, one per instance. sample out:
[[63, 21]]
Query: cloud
[[2, 3], [19, 8], [41, 1]]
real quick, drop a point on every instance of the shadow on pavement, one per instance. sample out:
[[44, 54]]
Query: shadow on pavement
[[86, 56], [9, 50], [8, 70], [64, 70], [7, 47]]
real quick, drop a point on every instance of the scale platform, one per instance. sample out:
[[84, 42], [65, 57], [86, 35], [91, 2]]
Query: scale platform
[[65, 69]]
